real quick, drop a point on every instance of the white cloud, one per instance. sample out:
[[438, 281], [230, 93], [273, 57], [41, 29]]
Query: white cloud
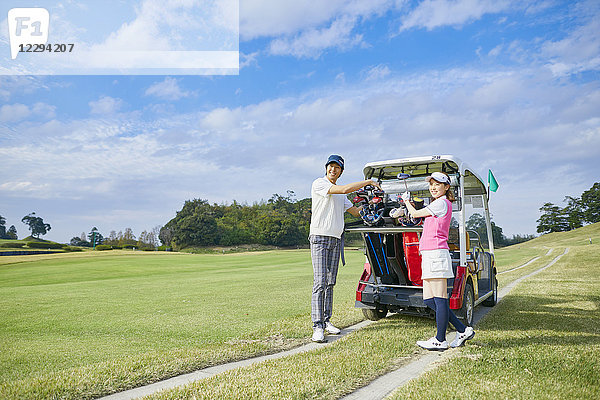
[[306, 28], [17, 186], [377, 72], [273, 17], [311, 43], [579, 51], [18, 112], [576, 51], [105, 105], [44, 110], [248, 59], [431, 14], [178, 25], [14, 112], [167, 89]]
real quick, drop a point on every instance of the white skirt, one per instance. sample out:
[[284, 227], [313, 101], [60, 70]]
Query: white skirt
[[436, 264]]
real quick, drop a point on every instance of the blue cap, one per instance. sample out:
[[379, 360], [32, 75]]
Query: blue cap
[[335, 159]]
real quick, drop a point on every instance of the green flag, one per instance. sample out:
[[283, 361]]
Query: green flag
[[492, 181]]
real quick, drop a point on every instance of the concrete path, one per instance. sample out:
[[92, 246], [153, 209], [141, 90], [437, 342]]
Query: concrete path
[[376, 390], [217, 369], [520, 266]]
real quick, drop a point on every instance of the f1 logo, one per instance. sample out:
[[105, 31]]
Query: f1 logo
[[27, 26]]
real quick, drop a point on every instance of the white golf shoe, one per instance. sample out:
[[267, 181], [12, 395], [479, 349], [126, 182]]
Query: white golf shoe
[[433, 344], [462, 337], [331, 329], [318, 335]]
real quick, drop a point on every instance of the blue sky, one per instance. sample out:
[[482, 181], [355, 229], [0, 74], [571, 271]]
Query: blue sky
[[507, 85]]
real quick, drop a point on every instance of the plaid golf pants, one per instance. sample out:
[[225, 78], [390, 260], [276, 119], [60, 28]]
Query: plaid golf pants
[[325, 254]]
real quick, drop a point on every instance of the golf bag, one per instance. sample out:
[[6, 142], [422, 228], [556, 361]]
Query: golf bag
[[371, 200]]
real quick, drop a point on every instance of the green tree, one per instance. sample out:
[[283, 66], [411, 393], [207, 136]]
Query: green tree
[[590, 202], [518, 239], [77, 241], [2, 228], [95, 237], [166, 236], [573, 212], [147, 240], [12, 233], [127, 237], [278, 229], [36, 225], [237, 224], [499, 238], [111, 239], [195, 225], [553, 219], [476, 222]]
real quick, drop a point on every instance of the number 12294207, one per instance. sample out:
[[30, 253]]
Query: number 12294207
[[51, 48]]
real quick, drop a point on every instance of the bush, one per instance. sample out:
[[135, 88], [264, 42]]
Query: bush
[[101, 247], [45, 245], [129, 246], [164, 248], [12, 245], [72, 249]]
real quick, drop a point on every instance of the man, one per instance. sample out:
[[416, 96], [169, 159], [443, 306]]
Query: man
[[329, 202]]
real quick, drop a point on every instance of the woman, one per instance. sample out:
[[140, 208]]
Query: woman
[[436, 264]]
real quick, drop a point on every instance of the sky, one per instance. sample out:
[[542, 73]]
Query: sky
[[511, 86]]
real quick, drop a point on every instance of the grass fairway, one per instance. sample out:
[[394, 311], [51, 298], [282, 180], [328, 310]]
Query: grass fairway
[[82, 325], [87, 324]]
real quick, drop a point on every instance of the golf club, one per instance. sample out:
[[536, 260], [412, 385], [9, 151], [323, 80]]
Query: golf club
[[402, 176]]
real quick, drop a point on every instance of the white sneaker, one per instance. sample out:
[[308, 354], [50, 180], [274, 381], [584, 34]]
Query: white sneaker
[[462, 337], [331, 329], [318, 335], [433, 344]]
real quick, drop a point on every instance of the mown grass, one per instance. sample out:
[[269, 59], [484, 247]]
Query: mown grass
[[326, 373], [88, 324], [358, 358], [541, 342], [510, 274], [84, 325]]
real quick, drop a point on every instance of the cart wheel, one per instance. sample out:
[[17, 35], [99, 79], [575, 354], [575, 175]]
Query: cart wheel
[[466, 311], [493, 299], [373, 314]]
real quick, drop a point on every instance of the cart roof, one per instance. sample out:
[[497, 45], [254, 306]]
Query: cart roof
[[421, 167]]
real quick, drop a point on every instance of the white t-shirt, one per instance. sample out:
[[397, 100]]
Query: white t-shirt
[[438, 207], [327, 217]]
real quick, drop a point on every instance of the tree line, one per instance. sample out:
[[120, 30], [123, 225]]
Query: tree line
[[577, 212], [147, 240], [280, 221], [476, 222], [10, 233]]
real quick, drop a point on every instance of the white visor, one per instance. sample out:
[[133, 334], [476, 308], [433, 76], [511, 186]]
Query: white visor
[[438, 176]]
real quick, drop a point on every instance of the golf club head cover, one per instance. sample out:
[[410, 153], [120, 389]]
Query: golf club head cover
[[396, 212]]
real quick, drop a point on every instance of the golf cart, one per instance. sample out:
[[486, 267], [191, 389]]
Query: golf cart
[[391, 280]]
